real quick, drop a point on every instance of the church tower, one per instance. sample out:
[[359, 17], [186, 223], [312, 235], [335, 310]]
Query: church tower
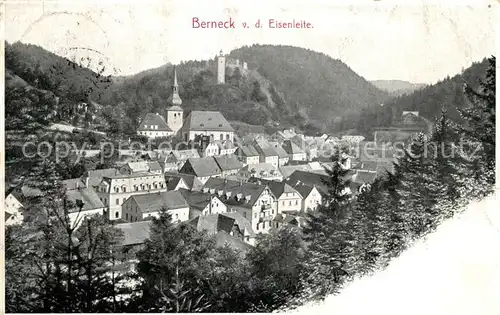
[[221, 69], [175, 112]]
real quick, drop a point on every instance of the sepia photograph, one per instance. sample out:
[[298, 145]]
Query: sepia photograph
[[249, 157]]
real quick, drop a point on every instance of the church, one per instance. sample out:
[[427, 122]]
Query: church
[[208, 123]]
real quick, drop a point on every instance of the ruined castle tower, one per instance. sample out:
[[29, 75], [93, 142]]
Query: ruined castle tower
[[221, 69]]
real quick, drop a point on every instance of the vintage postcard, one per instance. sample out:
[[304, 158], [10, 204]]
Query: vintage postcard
[[249, 156]]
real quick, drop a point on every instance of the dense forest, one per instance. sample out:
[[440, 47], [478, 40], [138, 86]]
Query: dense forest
[[55, 266], [428, 101]]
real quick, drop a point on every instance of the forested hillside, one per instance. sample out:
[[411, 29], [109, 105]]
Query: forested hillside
[[397, 87], [326, 88], [428, 101]]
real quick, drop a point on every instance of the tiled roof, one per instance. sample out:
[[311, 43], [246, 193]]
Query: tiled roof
[[213, 223], [201, 167], [281, 152], [262, 169], [278, 188], [247, 151], [152, 119], [86, 195], [222, 239], [96, 176], [291, 147], [191, 181], [265, 148], [207, 121], [242, 222], [288, 170], [134, 233], [228, 162], [310, 179], [169, 200], [196, 199], [303, 189], [73, 183], [234, 188], [364, 177], [183, 155], [172, 181]]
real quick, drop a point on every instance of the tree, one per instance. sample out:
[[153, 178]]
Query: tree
[[328, 259], [276, 267], [175, 264], [480, 127]]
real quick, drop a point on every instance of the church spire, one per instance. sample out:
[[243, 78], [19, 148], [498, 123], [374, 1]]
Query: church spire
[[175, 99]]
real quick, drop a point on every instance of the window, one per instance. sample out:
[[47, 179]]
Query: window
[[117, 214], [255, 215], [117, 201], [126, 216], [289, 203], [227, 137], [124, 189], [296, 202], [221, 137]]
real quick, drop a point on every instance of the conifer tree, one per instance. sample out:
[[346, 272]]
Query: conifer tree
[[174, 266], [480, 127], [329, 259]]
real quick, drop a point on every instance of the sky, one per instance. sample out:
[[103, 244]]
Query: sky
[[377, 39]]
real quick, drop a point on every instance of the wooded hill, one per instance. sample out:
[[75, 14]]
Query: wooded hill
[[429, 101], [284, 86]]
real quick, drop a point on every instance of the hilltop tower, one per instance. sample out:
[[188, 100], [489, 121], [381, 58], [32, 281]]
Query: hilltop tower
[[221, 69], [175, 112]]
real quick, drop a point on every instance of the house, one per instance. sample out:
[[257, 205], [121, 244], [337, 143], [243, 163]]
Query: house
[[310, 179], [247, 154], [179, 157], [203, 168], [114, 190], [154, 126], [288, 170], [237, 227], [177, 181], [289, 221], [143, 166], [294, 151], [208, 148], [286, 134], [145, 206], [208, 123], [134, 233], [167, 163], [94, 178], [253, 201], [226, 147], [229, 164], [362, 179], [311, 196], [267, 153], [85, 203], [13, 207], [262, 170], [283, 157], [289, 199], [201, 203]]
